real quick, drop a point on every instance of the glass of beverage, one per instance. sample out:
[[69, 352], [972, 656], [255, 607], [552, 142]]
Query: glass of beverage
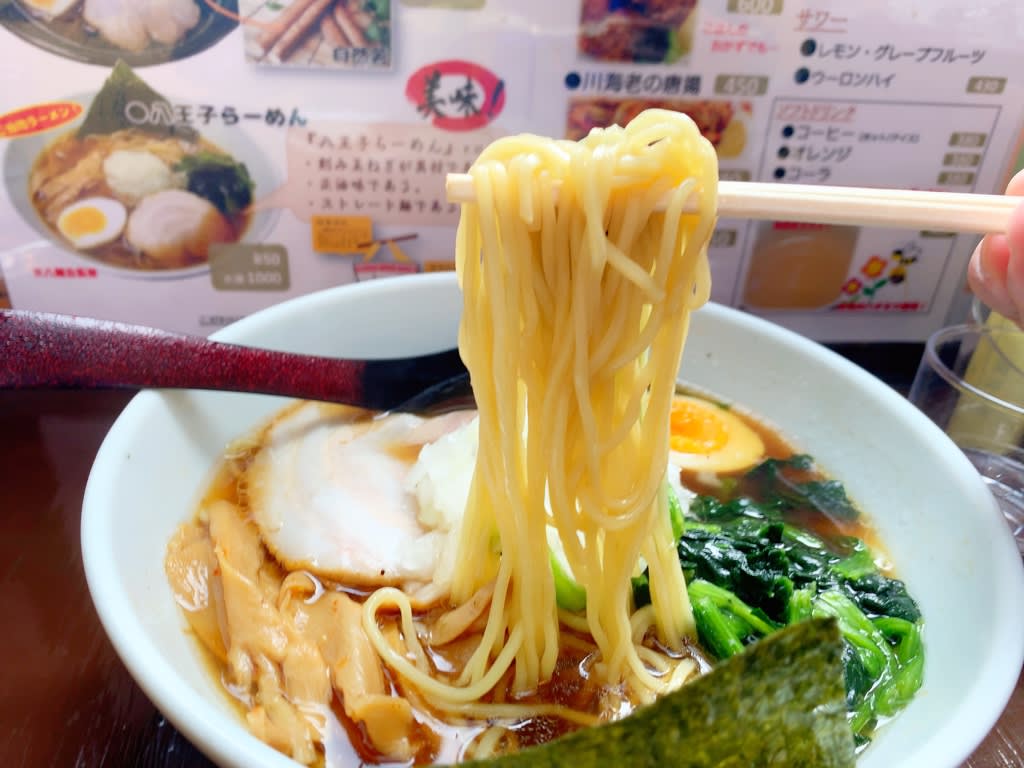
[[971, 383], [797, 266]]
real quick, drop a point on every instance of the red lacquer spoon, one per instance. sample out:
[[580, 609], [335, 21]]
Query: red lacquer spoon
[[50, 351]]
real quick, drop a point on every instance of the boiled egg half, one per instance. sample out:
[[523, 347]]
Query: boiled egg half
[[92, 222], [706, 437]]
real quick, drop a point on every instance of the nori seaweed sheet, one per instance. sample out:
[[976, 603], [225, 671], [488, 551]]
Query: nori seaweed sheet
[[107, 111], [781, 702]]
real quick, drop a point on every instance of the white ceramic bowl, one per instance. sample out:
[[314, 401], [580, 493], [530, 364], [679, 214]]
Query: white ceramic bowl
[[21, 155], [939, 522]]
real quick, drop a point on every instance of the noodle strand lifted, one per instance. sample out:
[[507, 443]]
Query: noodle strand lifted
[[576, 310]]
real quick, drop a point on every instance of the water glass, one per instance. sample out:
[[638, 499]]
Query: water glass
[[971, 383]]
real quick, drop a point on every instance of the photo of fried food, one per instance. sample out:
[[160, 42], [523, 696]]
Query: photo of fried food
[[643, 31], [723, 123], [318, 33]]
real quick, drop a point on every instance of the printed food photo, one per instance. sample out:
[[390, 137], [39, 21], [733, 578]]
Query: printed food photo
[[649, 31], [140, 32], [148, 196], [723, 123], [318, 33]]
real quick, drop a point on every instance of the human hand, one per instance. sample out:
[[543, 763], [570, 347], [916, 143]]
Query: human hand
[[996, 270]]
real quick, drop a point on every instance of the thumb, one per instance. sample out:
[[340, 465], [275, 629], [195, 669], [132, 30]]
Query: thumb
[[1015, 229], [1015, 262]]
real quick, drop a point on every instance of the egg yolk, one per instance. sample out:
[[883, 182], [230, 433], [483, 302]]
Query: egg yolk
[[696, 429], [86, 220]]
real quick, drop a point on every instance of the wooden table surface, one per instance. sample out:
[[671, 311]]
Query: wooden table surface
[[65, 697]]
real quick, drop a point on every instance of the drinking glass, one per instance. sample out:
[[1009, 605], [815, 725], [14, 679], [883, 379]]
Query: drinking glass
[[971, 383]]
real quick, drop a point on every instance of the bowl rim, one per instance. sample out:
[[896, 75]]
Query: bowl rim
[[151, 671], [201, 722]]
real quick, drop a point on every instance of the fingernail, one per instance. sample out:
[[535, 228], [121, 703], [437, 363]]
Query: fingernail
[[975, 268]]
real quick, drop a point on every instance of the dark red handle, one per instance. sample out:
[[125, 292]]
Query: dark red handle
[[39, 350]]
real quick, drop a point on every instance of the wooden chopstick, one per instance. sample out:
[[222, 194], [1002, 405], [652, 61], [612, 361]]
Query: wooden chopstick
[[855, 206]]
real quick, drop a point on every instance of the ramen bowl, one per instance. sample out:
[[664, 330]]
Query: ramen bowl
[[939, 524], [21, 156]]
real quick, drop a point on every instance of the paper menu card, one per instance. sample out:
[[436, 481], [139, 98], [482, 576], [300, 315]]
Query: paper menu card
[[253, 151]]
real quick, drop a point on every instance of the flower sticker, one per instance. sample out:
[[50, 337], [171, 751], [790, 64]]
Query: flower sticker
[[852, 286], [873, 267], [879, 273]]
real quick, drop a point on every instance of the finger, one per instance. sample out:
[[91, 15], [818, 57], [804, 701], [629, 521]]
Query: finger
[[1016, 185], [1015, 262], [1014, 231], [988, 270], [987, 275]]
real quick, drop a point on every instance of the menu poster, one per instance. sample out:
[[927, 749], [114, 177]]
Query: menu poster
[[186, 162]]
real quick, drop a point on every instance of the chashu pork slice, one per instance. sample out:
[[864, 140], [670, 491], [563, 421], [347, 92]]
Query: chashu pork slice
[[330, 495]]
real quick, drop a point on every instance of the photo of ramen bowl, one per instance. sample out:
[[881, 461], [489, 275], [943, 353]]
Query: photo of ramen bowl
[[141, 202], [934, 518], [103, 32]]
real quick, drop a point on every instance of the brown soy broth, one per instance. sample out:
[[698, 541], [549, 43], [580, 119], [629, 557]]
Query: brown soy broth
[[571, 685], [777, 447], [354, 733], [70, 152]]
